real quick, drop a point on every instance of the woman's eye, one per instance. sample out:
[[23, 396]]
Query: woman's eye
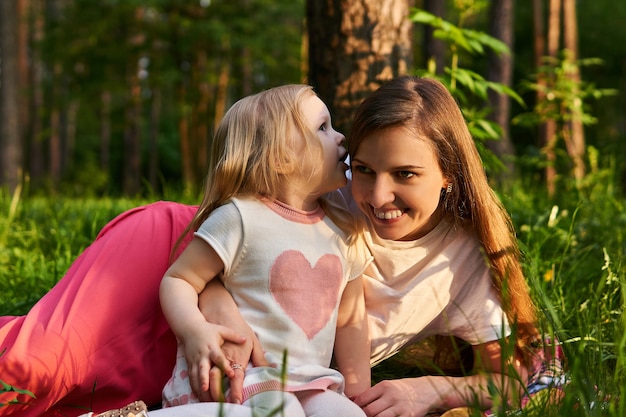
[[405, 174], [362, 169]]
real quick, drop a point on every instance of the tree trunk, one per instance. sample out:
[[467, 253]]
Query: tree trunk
[[132, 130], [35, 140], [155, 121], [105, 130], [434, 49], [10, 143], [132, 136], [576, 142], [550, 132], [200, 116], [501, 71], [183, 133], [221, 89], [23, 50], [54, 140], [70, 134], [354, 46]]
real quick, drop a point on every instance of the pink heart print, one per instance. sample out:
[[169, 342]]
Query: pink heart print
[[308, 295]]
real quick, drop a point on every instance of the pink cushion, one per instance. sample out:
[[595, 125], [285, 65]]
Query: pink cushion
[[98, 339]]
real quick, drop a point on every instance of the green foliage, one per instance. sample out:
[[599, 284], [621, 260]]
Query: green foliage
[[563, 100], [178, 49], [563, 96], [39, 240], [467, 86]]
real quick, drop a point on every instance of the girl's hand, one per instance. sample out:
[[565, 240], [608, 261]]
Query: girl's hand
[[241, 354], [218, 306], [204, 349], [409, 397]]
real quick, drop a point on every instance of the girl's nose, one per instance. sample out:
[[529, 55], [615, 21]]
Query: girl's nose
[[340, 138], [381, 192]]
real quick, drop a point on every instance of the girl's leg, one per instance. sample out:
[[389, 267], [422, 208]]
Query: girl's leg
[[177, 390], [328, 404], [188, 410], [205, 410], [275, 404]]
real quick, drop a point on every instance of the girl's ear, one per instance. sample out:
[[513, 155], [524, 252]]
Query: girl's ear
[[447, 185]]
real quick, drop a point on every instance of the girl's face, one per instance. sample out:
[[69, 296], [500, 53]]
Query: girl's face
[[397, 182], [332, 173]]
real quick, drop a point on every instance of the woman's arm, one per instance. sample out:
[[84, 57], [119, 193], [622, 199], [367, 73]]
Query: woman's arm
[[496, 381], [352, 345]]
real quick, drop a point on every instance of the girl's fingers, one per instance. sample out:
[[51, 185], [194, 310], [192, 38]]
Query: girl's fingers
[[229, 335], [216, 391]]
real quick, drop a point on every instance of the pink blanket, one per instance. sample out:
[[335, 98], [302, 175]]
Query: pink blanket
[[98, 339]]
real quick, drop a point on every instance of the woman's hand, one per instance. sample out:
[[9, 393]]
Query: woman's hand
[[416, 397], [208, 347], [237, 354], [408, 397]]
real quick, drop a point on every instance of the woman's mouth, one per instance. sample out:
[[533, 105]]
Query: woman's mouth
[[387, 214]]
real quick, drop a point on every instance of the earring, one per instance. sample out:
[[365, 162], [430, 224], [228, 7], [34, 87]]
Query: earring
[[449, 188]]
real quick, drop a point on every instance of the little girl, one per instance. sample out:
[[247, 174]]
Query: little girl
[[290, 258]]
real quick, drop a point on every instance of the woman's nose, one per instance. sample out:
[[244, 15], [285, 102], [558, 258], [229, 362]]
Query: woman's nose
[[381, 192]]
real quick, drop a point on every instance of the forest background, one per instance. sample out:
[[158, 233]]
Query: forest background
[[108, 105]]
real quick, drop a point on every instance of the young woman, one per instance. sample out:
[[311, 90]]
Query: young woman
[[447, 261]]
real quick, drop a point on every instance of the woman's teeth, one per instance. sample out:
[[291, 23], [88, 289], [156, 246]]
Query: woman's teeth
[[387, 215]]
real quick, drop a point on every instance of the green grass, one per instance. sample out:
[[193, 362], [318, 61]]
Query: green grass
[[574, 249]]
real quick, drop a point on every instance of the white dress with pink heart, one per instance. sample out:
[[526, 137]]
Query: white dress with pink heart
[[286, 270]]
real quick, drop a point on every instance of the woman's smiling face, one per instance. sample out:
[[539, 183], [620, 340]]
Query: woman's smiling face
[[397, 183]]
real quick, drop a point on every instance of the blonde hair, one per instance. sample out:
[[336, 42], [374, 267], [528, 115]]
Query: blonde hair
[[428, 110], [262, 142]]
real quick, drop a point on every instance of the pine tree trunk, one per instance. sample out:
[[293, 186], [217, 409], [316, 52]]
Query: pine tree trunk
[[10, 143], [501, 71], [23, 51], [183, 133], [132, 136], [36, 151], [153, 154], [435, 49], [105, 130], [54, 140], [576, 141], [550, 138], [354, 46]]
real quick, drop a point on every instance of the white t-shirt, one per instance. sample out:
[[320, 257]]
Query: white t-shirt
[[286, 270], [439, 284]]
